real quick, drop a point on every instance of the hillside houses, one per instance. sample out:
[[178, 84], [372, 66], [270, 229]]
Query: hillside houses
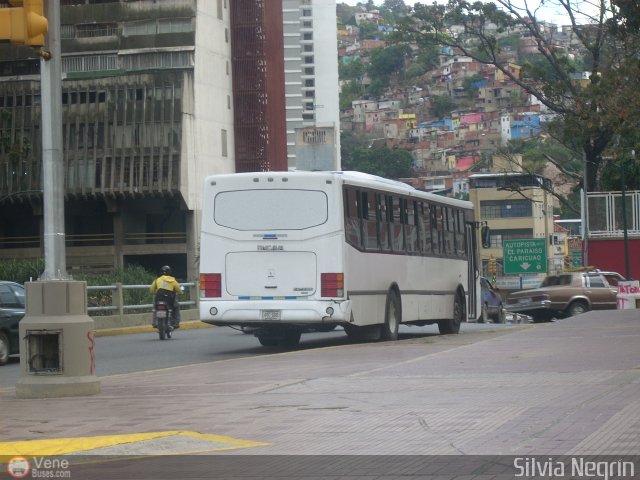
[[489, 109]]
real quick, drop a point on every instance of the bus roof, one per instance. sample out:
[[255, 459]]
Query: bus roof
[[359, 179]]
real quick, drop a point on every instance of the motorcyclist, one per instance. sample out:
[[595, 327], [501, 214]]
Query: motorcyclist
[[166, 285]]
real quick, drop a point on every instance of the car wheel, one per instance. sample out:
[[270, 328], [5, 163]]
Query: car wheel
[[484, 314], [4, 349], [577, 307]]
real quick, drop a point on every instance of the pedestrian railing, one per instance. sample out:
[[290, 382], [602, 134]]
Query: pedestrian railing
[[119, 299]]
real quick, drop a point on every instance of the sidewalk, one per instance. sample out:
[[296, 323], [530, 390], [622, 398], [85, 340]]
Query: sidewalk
[[570, 387]]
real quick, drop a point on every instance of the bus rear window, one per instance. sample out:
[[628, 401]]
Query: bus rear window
[[271, 209]]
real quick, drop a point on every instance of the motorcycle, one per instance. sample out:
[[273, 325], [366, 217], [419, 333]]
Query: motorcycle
[[164, 317]]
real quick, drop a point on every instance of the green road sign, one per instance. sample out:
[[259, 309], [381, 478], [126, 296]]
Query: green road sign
[[525, 256]]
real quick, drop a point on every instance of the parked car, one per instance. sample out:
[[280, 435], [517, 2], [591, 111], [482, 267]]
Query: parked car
[[492, 307], [11, 312], [566, 295]]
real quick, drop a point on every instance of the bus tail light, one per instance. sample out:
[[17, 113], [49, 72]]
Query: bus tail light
[[332, 284], [210, 285]]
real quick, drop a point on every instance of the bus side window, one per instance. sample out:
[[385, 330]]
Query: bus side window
[[410, 226], [383, 218], [425, 228], [436, 229], [449, 230], [397, 234], [351, 220], [369, 221], [461, 245]]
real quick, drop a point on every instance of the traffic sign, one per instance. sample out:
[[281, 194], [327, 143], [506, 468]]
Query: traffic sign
[[524, 255]]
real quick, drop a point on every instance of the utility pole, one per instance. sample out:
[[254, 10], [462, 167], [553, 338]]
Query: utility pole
[[57, 344], [55, 262]]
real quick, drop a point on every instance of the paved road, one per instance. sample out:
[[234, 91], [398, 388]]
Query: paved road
[[119, 354], [565, 388]]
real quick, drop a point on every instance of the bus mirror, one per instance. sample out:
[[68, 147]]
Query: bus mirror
[[485, 234]]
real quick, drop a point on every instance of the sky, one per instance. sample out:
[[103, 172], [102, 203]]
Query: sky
[[549, 13]]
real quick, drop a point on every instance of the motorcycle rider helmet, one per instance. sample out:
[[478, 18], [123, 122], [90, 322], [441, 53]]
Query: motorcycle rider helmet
[[166, 270]]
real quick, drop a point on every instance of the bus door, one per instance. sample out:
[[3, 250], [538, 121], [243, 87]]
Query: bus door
[[472, 270]]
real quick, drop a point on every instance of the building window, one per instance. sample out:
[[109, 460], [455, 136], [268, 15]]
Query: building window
[[314, 136], [90, 30], [175, 25], [505, 208], [307, 36], [223, 142], [498, 236]]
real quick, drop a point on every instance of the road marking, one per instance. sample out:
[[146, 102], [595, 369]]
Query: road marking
[[152, 443]]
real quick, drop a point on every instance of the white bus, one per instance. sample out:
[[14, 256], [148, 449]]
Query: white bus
[[287, 252]]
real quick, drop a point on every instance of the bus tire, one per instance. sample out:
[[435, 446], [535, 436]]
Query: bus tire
[[291, 338], [392, 317], [366, 333], [268, 340], [452, 325]]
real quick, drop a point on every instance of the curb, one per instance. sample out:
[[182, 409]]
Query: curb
[[147, 329]]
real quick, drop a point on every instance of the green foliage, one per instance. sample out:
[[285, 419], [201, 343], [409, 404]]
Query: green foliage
[[21, 270], [368, 31], [377, 87], [441, 106], [381, 161], [131, 275], [468, 84], [588, 115], [414, 70], [350, 91], [351, 70], [349, 143], [387, 61]]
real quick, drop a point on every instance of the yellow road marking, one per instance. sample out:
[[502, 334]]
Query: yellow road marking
[[62, 446]]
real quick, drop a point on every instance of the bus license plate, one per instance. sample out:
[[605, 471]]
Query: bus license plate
[[271, 314]]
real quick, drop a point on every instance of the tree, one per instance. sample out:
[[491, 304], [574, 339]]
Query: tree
[[387, 61], [441, 105], [351, 70], [381, 161], [397, 7], [588, 117]]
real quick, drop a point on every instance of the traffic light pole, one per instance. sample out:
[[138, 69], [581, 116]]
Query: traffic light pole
[[55, 263], [57, 344]]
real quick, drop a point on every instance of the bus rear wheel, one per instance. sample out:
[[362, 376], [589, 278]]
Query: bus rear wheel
[[392, 317], [452, 325]]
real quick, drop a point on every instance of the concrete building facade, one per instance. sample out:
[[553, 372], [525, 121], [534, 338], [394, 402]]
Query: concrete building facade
[[147, 114], [514, 206], [311, 84]]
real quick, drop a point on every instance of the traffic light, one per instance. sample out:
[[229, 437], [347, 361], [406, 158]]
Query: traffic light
[[491, 267], [485, 235], [24, 23]]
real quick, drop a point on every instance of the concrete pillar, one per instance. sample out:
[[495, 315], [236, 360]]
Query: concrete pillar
[[57, 345]]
